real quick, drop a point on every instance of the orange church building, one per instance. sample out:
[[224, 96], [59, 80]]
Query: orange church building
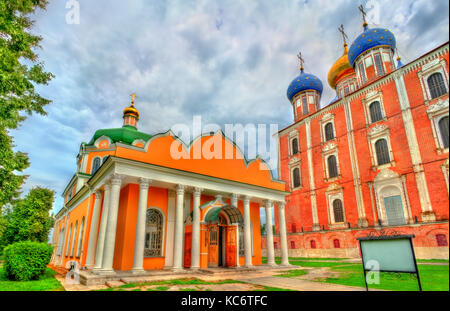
[[373, 161], [134, 206]]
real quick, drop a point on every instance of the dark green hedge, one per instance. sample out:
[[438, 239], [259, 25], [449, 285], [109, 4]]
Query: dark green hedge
[[26, 260]]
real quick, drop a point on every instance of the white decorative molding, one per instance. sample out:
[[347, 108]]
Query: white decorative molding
[[377, 129], [428, 65], [294, 160], [440, 105], [329, 147], [385, 174], [333, 187], [327, 116]]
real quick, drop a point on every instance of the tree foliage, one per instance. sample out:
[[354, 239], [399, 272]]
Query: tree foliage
[[20, 71], [29, 218]]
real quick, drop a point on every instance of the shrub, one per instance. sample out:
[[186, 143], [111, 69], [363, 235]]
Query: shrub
[[26, 260]]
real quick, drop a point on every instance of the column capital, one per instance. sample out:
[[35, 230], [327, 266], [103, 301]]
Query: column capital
[[281, 205], [98, 194], [246, 199], [180, 189], [235, 196], [219, 197], [197, 191], [268, 203], [144, 182], [116, 179]]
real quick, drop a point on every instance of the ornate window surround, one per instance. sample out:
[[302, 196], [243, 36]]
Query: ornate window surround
[[292, 135], [333, 192], [370, 98], [327, 118], [436, 65], [435, 113], [375, 133], [293, 164], [329, 150]]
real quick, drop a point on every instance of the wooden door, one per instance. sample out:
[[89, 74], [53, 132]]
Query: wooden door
[[230, 248], [213, 250], [187, 249]]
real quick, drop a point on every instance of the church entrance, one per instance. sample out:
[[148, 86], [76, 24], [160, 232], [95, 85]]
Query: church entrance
[[222, 246]]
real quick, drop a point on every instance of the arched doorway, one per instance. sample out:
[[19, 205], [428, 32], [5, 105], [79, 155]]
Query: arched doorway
[[222, 236]]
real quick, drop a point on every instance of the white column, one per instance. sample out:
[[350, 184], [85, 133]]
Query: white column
[[269, 233], [283, 236], [178, 241], [93, 230], [139, 240], [247, 233], [66, 220], [195, 263], [110, 238], [102, 232], [170, 231], [234, 202]]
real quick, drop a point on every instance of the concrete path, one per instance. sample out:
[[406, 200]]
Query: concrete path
[[298, 284]]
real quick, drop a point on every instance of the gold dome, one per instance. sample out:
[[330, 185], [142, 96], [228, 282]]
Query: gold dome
[[131, 110], [340, 69]]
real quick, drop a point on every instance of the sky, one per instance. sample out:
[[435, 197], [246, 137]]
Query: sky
[[229, 61]]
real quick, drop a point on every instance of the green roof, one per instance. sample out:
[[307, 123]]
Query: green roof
[[126, 134]]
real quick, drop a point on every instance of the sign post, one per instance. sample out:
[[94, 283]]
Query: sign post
[[390, 253]]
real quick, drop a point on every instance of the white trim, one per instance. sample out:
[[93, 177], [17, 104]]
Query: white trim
[[163, 229], [435, 113], [437, 65]]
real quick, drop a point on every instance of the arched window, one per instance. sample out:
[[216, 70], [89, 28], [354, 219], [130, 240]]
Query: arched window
[[80, 237], [329, 132], [375, 112], [305, 105], [60, 241], [68, 240], [74, 239], [436, 85], [332, 166], [96, 165], [336, 243], [292, 245], [441, 240], [153, 233], [338, 211], [293, 228], [295, 146], [313, 244], [296, 177], [443, 129], [382, 150]]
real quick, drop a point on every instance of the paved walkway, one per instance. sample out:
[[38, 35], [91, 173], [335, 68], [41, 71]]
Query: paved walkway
[[298, 284]]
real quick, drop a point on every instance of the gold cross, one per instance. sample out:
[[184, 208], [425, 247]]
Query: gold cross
[[344, 35], [133, 96], [363, 12], [301, 60]]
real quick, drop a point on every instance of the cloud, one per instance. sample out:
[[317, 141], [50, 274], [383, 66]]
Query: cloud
[[229, 61]]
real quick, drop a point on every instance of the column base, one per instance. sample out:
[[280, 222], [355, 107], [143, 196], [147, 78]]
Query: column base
[[248, 266], [316, 227], [285, 264], [137, 271], [428, 216], [104, 271], [177, 269], [194, 268], [272, 264], [363, 223]]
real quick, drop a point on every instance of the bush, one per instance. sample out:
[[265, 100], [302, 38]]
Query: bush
[[26, 261]]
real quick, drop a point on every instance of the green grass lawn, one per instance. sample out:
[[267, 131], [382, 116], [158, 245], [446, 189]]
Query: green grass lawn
[[46, 282]]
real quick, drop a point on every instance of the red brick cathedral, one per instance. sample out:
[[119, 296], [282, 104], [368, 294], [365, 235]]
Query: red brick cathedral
[[375, 158]]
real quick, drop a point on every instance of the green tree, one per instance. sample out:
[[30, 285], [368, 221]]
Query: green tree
[[20, 71], [30, 218]]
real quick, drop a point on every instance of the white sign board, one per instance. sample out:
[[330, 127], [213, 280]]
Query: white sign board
[[394, 255]]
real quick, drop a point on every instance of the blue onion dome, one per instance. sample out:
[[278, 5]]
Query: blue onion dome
[[370, 38], [304, 82]]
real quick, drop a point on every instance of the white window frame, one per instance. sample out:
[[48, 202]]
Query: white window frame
[[293, 164], [334, 192], [329, 150], [292, 135], [368, 100], [327, 118], [163, 229], [435, 66], [379, 131], [435, 113], [80, 237]]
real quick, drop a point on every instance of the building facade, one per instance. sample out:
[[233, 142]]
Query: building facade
[[373, 161], [143, 202]]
